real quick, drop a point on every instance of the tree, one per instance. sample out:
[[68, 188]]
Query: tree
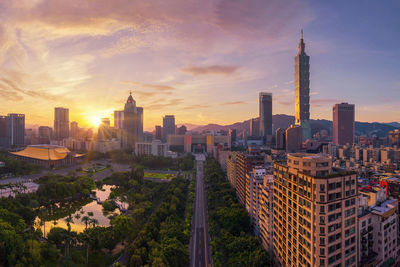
[[121, 224], [86, 220], [137, 173]]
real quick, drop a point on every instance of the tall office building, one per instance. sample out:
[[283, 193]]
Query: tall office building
[[158, 132], [74, 130], [132, 124], [168, 126], [314, 213], [118, 119], [302, 90], [265, 114], [15, 129], [343, 124], [61, 123], [255, 127]]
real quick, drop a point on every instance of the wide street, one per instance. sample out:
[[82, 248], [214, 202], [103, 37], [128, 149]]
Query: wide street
[[200, 252]]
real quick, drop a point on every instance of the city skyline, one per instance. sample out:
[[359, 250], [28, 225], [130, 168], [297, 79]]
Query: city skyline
[[202, 72]]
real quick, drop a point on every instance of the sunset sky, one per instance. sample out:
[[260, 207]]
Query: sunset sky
[[203, 61]]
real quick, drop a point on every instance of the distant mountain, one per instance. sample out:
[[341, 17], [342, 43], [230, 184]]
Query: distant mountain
[[284, 121], [394, 124]]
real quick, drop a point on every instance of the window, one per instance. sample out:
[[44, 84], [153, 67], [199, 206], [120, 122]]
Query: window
[[322, 187], [322, 209]]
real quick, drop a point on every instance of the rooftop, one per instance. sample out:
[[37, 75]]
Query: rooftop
[[307, 156], [43, 152]]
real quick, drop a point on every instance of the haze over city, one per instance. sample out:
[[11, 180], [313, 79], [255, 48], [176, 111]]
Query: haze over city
[[203, 62]]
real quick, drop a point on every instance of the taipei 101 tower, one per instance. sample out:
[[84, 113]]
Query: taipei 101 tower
[[302, 90]]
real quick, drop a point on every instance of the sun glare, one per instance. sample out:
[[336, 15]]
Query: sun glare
[[94, 120]]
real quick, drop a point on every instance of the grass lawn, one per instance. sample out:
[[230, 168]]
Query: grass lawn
[[158, 175]]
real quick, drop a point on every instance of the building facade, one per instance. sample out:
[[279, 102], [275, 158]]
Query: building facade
[[61, 123], [119, 119], [168, 126], [255, 127], [294, 140], [132, 124], [245, 163], [315, 219], [280, 138], [265, 114], [343, 124], [15, 129], [302, 90]]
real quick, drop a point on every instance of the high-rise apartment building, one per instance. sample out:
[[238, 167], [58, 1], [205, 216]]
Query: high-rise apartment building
[[294, 141], [118, 119], [254, 180], [265, 114], [280, 138], [343, 124], [245, 163], [132, 124], [314, 213], [302, 90], [15, 129], [158, 132], [61, 123], [168, 126], [231, 167], [266, 212], [255, 127], [378, 223]]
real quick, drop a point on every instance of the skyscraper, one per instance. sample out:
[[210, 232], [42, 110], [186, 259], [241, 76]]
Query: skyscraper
[[132, 124], [343, 124], [168, 126], [302, 90], [15, 129], [255, 127], [118, 119], [265, 112], [61, 123], [314, 213]]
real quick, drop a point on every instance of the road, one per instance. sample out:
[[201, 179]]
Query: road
[[200, 252]]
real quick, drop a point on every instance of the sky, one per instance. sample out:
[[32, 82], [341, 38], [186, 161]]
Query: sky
[[203, 61]]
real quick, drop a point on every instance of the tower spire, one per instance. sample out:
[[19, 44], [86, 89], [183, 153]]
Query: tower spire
[[301, 33]]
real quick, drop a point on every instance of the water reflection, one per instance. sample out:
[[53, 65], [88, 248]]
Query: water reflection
[[93, 210]]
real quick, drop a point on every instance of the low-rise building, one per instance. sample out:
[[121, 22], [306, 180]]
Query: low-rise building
[[155, 148]]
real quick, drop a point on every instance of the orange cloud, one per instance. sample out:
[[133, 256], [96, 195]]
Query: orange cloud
[[214, 69]]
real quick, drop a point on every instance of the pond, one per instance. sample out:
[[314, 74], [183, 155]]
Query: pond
[[93, 210]]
